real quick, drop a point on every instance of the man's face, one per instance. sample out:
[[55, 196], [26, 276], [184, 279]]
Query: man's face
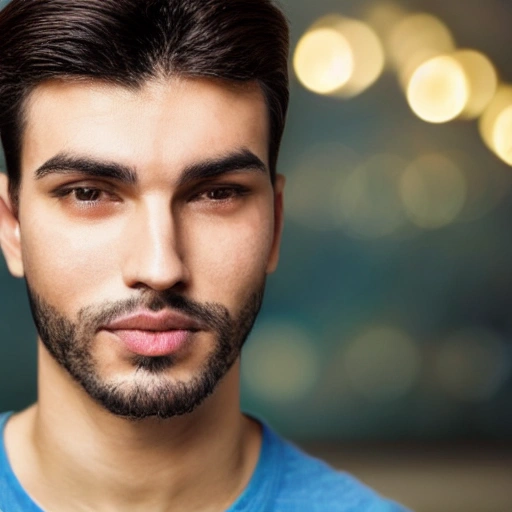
[[148, 224]]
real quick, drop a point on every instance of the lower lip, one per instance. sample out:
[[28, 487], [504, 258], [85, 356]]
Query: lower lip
[[151, 343]]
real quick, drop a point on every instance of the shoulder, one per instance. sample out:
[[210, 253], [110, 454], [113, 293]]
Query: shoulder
[[310, 484]]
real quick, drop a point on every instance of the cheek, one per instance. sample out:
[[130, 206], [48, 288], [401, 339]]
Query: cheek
[[229, 260], [63, 262]]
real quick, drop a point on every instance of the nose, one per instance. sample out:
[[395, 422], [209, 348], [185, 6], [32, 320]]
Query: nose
[[153, 254]]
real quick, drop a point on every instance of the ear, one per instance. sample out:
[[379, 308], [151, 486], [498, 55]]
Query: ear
[[9, 231], [278, 223]]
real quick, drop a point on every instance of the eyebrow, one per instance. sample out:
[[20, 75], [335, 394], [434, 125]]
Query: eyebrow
[[64, 163], [243, 160]]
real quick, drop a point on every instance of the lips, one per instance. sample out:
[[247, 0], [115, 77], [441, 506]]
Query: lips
[[153, 334]]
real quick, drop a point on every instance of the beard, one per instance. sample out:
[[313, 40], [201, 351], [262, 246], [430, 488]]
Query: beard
[[151, 392]]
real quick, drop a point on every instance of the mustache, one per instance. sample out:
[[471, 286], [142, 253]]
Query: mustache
[[212, 315]]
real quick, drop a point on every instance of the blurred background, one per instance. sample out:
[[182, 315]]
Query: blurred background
[[385, 341]]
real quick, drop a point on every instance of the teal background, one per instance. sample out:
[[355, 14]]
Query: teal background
[[332, 287]]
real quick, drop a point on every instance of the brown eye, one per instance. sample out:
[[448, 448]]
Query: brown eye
[[86, 194], [220, 194]]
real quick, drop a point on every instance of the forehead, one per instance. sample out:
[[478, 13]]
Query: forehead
[[167, 123]]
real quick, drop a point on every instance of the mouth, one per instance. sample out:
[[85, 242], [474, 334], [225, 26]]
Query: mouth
[[154, 334]]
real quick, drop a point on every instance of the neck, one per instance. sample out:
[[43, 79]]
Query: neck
[[102, 462]]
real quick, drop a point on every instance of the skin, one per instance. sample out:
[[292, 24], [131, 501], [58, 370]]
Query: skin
[[203, 239]]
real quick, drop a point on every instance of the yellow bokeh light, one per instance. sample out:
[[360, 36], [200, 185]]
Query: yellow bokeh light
[[339, 56], [323, 60], [433, 191], [496, 124], [502, 135], [438, 90], [368, 57], [416, 39], [367, 52], [482, 79]]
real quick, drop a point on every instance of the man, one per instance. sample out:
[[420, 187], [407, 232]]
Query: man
[[143, 209]]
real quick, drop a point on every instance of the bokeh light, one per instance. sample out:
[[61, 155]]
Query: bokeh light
[[433, 190], [382, 364], [472, 364], [369, 202], [323, 60], [496, 124], [339, 56], [502, 136], [280, 362], [438, 90], [414, 40], [367, 52], [446, 87], [482, 79]]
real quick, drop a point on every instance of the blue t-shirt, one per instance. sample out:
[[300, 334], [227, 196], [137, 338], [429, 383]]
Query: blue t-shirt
[[285, 480]]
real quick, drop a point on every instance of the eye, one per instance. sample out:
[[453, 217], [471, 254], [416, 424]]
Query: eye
[[85, 194], [221, 193]]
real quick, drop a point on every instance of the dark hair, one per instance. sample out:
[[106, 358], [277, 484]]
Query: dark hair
[[127, 42]]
